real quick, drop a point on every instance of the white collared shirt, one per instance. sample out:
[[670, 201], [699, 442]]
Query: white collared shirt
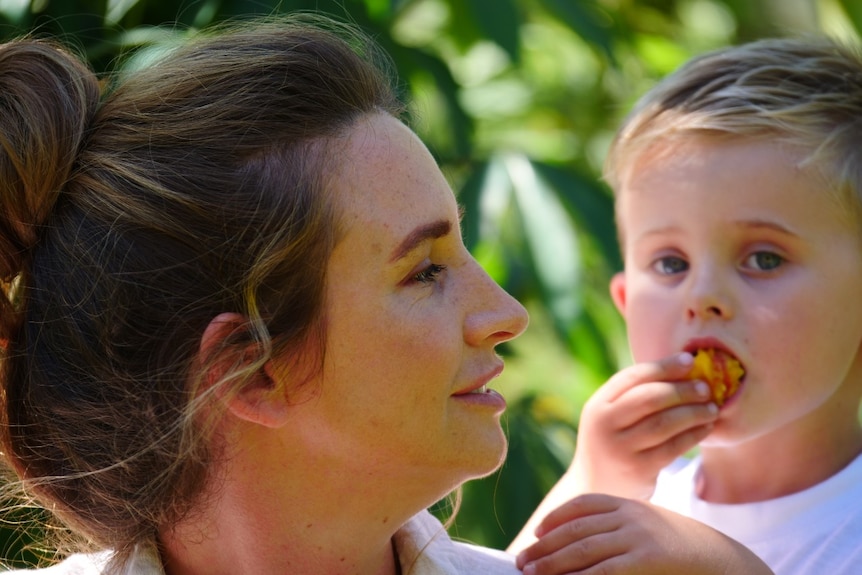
[[423, 547]]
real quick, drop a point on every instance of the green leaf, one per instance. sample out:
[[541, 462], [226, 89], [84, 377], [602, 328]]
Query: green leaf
[[499, 21], [82, 18], [853, 8], [246, 7], [15, 12], [117, 9], [551, 239], [463, 27], [590, 346], [379, 10], [411, 61], [469, 198], [587, 19], [589, 203]]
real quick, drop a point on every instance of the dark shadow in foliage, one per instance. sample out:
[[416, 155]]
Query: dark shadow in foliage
[[494, 509]]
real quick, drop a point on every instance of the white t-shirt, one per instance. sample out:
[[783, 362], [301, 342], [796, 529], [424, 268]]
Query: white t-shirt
[[817, 531], [423, 546]]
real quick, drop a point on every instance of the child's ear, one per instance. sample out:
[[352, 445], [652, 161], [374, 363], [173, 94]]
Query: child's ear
[[259, 400], [618, 291]]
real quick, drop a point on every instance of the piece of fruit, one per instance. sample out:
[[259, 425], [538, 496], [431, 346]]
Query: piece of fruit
[[719, 370]]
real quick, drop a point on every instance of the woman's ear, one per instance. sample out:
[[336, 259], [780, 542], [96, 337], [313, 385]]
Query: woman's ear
[[259, 399], [618, 291]]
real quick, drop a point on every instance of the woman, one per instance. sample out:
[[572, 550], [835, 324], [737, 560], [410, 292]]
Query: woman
[[241, 332]]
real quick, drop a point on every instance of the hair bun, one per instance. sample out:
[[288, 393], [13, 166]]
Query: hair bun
[[47, 98]]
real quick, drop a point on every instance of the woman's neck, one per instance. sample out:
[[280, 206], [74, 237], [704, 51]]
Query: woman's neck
[[247, 542], [264, 517]]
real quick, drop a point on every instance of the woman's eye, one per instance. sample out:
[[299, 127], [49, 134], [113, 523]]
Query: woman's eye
[[429, 274], [764, 261], [670, 265]]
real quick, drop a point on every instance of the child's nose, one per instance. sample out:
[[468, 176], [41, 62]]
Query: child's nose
[[708, 297], [706, 311]]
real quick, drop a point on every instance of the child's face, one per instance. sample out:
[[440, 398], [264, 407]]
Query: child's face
[[730, 244]]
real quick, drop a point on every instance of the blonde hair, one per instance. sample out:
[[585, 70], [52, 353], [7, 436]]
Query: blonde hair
[[804, 92], [128, 221]]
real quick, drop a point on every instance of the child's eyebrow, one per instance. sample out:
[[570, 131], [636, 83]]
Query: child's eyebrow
[[757, 223], [658, 231], [750, 224]]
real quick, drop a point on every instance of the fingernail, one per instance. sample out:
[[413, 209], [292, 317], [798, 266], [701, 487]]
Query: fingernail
[[702, 389], [529, 569], [685, 358], [713, 408]]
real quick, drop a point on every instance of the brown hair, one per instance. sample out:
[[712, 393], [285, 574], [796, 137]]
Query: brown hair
[[805, 92], [196, 186]]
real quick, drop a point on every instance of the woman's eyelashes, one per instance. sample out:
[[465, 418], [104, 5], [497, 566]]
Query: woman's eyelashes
[[428, 274]]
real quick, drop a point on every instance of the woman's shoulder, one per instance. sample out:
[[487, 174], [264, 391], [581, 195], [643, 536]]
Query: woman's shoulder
[[143, 562], [78, 564], [476, 559], [425, 548]]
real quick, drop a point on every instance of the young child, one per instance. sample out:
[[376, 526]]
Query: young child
[[739, 204]]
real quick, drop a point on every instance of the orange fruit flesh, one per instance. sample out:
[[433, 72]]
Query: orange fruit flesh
[[718, 369]]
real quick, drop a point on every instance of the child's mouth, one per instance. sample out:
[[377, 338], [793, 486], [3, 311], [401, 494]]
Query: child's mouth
[[720, 370]]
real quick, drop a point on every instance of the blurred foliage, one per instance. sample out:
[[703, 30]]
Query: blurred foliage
[[518, 100]]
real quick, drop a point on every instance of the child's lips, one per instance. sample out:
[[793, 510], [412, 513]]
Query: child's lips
[[719, 368], [698, 344]]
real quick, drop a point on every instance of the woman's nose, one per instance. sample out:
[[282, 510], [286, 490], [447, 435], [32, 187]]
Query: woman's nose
[[495, 316]]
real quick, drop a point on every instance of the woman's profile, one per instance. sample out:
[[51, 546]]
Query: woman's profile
[[242, 333]]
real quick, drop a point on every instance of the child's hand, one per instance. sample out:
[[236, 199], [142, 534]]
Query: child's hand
[[642, 419], [602, 534]]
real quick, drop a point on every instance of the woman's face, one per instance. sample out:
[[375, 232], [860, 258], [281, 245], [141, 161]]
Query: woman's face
[[411, 324]]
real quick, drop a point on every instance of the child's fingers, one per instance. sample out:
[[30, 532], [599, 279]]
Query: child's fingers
[[591, 504], [643, 389], [579, 534], [678, 444], [672, 368], [658, 428], [577, 556], [659, 395], [565, 534], [653, 399]]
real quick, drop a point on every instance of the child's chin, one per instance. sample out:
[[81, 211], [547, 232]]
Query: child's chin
[[722, 436]]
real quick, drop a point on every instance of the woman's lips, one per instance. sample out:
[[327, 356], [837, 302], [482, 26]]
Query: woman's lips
[[480, 384], [478, 394]]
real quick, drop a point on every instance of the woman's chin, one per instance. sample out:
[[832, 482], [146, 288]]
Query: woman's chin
[[486, 454]]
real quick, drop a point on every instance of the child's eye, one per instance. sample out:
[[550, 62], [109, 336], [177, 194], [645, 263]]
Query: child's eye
[[763, 261], [429, 274], [670, 265]]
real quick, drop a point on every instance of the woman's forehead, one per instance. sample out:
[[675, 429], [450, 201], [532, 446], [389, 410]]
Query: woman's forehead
[[388, 183]]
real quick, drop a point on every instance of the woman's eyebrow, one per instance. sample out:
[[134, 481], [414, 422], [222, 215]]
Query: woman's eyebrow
[[425, 232]]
